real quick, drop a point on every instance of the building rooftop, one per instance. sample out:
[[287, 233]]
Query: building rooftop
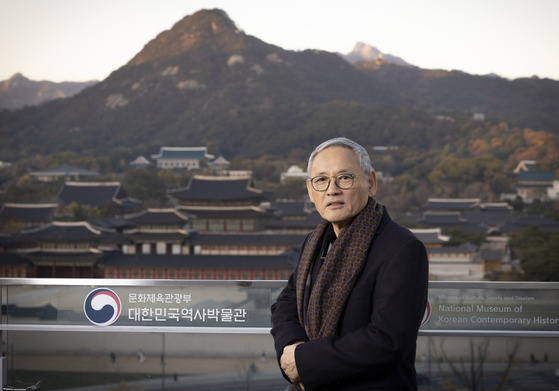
[[91, 193], [28, 213], [219, 189]]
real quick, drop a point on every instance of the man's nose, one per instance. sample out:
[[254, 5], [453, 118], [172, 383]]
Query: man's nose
[[333, 187]]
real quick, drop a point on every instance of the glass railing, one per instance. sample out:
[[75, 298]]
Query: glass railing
[[104, 334]]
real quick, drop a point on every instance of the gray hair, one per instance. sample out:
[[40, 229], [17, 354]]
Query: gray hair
[[360, 152]]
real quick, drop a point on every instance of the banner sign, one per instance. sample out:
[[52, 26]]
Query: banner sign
[[452, 307], [198, 305], [492, 309]]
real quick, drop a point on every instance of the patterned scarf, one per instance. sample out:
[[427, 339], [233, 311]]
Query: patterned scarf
[[340, 269]]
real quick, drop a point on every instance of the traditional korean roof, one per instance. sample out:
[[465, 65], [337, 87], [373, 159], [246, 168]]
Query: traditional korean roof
[[63, 170], [140, 236], [290, 209], [13, 259], [536, 176], [186, 153], [111, 223], [488, 217], [28, 213], [452, 203], [219, 189], [167, 216], [266, 262], [225, 212], [480, 228], [495, 207], [430, 235], [113, 238], [307, 224], [219, 162], [82, 258], [538, 221], [64, 231], [140, 161], [443, 218], [91, 193], [466, 248]]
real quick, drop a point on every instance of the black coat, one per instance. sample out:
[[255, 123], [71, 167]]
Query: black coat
[[376, 341]]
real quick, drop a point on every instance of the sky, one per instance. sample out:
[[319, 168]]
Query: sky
[[82, 40]]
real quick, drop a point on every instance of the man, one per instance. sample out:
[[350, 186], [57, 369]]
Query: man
[[349, 315]]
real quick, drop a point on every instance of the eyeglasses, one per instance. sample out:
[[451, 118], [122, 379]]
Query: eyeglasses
[[322, 182]]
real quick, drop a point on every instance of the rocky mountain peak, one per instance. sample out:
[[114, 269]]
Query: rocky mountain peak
[[364, 52], [208, 29]]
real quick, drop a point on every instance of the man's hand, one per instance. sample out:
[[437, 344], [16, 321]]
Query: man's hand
[[287, 362]]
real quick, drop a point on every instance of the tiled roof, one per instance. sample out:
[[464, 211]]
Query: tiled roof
[[536, 220], [293, 208], [452, 203], [488, 217], [64, 231], [113, 238], [158, 216], [224, 212], [63, 170], [495, 207], [277, 225], [466, 248], [181, 153], [88, 258], [154, 235], [12, 259], [430, 235], [210, 188], [537, 176], [28, 212], [442, 218], [480, 228], [90, 193]]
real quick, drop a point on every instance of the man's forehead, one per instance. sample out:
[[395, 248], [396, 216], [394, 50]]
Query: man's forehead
[[335, 159]]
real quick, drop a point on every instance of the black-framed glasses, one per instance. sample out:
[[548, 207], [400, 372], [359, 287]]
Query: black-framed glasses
[[322, 182]]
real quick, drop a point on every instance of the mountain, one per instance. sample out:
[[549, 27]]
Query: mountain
[[202, 81], [364, 52], [18, 91], [526, 102], [205, 82]]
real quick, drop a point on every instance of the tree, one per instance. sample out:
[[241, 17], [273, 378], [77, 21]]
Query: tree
[[146, 185], [537, 251]]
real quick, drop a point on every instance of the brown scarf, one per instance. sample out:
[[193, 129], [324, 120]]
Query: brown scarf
[[338, 273]]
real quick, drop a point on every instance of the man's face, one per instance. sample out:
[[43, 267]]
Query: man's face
[[334, 204]]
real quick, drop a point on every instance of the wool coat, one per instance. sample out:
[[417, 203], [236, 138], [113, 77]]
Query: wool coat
[[375, 344]]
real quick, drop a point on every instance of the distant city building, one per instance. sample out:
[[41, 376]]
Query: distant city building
[[534, 185], [294, 172], [29, 215], [140, 161], [64, 171], [524, 165], [182, 157], [96, 194], [219, 191]]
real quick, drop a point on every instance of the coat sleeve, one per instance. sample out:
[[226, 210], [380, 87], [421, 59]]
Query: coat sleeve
[[286, 327], [388, 336]]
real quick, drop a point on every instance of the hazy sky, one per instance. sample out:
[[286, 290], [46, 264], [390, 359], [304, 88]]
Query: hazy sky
[[79, 40]]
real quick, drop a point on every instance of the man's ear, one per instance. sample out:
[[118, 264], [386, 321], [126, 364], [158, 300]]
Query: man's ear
[[373, 185]]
